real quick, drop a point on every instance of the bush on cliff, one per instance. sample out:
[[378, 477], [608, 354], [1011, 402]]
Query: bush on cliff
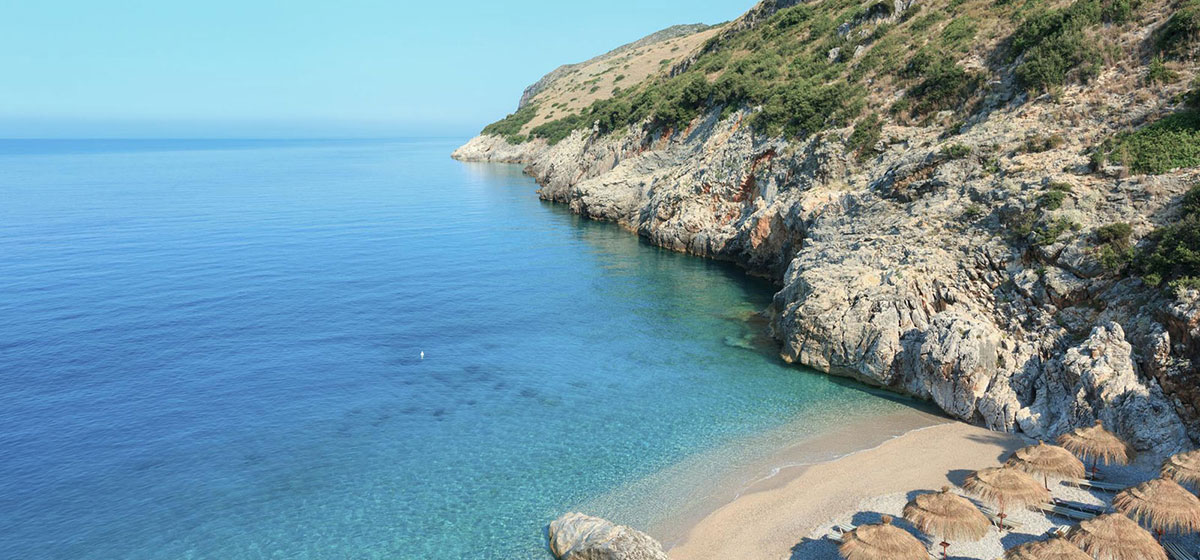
[[1114, 250], [1181, 31], [1169, 143], [865, 136], [510, 127], [1056, 44], [1172, 253]]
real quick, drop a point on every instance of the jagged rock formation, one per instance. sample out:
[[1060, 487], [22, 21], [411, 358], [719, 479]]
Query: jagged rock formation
[[904, 269], [576, 536]]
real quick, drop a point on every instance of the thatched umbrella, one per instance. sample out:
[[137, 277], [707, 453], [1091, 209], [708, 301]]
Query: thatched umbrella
[[1006, 485], [882, 542], [1184, 467], [1097, 443], [1113, 536], [1047, 460], [947, 516], [1160, 504], [1057, 548]]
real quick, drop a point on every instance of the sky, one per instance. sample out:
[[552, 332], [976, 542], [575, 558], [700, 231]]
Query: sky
[[299, 68]]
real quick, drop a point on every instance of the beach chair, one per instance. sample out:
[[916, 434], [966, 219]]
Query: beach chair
[[994, 516], [838, 532], [1086, 508], [1057, 531], [1072, 514], [1096, 485], [1177, 552]]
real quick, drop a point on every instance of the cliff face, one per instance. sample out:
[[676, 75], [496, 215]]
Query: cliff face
[[902, 269]]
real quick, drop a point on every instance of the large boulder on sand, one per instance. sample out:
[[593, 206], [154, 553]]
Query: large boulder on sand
[[576, 536]]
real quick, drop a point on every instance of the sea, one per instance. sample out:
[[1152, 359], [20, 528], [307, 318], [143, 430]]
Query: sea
[[317, 349]]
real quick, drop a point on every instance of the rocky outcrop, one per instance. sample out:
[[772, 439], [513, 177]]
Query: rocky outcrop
[[930, 271], [576, 536], [1097, 380], [885, 277], [494, 149]]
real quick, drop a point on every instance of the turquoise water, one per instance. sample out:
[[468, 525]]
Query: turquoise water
[[212, 349]]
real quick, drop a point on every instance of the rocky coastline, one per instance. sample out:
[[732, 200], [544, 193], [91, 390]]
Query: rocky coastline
[[887, 279]]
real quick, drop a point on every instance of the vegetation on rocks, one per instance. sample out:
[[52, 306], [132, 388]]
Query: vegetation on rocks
[[1181, 31], [1171, 253], [1166, 144], [1114, 250], [510, 127], [1057, 44], [865, 136]]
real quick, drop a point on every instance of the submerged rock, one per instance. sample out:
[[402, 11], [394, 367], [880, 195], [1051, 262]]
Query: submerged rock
[[576, 536]]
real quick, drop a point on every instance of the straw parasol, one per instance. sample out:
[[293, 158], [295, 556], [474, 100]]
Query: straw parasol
[[1113, 536], [1099, 444], [1006, 485], [1160, 504], [948, 516], [1047, 460], [1184, 467], [882, 542], [1057, 548]]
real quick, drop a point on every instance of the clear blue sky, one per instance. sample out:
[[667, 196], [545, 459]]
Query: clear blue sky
[[180, 68]]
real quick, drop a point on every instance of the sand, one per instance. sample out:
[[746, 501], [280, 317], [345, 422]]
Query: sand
[[787, 515]]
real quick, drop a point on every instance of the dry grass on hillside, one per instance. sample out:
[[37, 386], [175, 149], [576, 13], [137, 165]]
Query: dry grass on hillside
[[584, 85]]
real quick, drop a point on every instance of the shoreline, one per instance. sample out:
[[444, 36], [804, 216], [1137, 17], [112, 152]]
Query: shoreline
[[670, 502], [774, 515], [784, 464]]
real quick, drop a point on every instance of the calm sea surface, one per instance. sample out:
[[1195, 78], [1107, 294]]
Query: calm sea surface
[[212, 349]]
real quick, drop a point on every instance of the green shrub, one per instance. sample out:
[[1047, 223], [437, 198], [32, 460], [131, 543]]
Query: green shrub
[[1169, 143], [802, 107], [1191, 98], [1119, 11], [1051, 200], [1049, 233], [510, 127], [1177, 36], [1115, 252], [956, 151], [973, 212], [1158, 72], [1114, 259], [944, 85], [1116, 234], [958, 33], [1037, 143], [556, 130], [1172, 252], [865, 136], [1056, 45]]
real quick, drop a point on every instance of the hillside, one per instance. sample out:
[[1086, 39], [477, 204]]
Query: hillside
[[986, 204]]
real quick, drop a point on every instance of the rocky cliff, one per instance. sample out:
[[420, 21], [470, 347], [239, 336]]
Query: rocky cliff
[[934, 260]]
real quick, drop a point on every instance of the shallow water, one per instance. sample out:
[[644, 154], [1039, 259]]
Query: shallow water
[[212, 349]]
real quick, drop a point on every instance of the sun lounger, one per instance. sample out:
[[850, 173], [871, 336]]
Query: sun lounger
[[1068, 513], [838, 532], [995, 517], [1096, 485], [1177, 552], [1086, 508]]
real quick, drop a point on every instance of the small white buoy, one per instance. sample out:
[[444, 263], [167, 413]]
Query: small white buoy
[[422, 354]]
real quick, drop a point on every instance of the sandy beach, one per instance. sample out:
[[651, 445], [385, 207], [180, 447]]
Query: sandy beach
[[777, 517]]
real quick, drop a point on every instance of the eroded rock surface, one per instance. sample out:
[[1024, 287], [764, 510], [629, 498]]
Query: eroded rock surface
[[576, 536], [918, 268]]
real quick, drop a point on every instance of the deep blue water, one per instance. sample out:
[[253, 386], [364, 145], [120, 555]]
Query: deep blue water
[[211, 349]]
